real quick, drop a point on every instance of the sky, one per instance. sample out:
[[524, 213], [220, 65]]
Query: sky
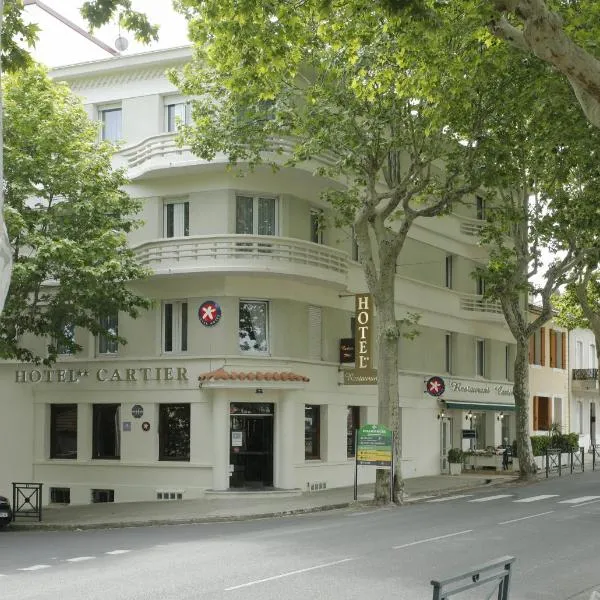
[[59, 45]]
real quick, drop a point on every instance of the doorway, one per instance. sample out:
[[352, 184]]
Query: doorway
[[593, 423], [445, 442], [251, 445]]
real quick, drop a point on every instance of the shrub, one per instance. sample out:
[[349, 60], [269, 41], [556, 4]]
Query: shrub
[[565, 442], [455, 455]]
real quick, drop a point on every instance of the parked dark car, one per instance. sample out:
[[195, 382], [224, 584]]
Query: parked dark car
[[5, 512]]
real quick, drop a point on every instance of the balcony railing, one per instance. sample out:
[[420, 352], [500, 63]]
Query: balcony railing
[[479, 304], [585, 374], [245, 253], [472, 228]]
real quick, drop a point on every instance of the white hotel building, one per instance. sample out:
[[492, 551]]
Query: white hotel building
[[253, 396]]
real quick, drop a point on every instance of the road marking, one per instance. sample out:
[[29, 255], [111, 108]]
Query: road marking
[[34, 568], [118, 552], [447, 498], [524, 518], [80, 558], [536, 498], [289, 574], [578, 500], [433, 539], [488, 498], [584, 503]]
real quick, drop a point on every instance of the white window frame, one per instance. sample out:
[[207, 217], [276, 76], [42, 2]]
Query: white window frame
[[579, 354], [181, 224], [255, 202], [480, 208], [179, 326], [186, 109], [266, 303], [112, 346], [102, 109], [480, 357], [593, 357]]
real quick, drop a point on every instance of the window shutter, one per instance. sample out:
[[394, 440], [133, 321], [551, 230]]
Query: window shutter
[[535, 413], [314, 332], [552, 348], [543, 346], [544, 411], [564, 351]]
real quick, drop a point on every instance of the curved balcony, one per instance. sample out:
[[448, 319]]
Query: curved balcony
[[245, 254]]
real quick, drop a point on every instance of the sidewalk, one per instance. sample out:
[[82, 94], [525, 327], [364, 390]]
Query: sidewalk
[[235, 506]]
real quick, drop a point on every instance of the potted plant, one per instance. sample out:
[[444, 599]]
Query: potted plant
[[455, 460]]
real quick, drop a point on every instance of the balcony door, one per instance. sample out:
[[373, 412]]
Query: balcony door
[[256, 215]]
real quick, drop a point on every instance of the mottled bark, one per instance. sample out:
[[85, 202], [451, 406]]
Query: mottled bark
[[5, 250]]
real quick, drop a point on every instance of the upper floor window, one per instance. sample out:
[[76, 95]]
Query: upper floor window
[[593, 357], [354, 246], [175, 326], [106, 344], [64, 338], [449, 271], [507, 362], [480, 358], [256, 215], [316, 226], [448, 339], [480, 208], [537, 347], [177, 113], [111, 119], [558, 349], [480, 286], [579, 354], [254, 326], [176, 219]]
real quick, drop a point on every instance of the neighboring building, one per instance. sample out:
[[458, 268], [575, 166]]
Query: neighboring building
[[583, 385], [548, 378], [235, 378]]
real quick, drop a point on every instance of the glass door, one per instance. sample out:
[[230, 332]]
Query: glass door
[[445, 442]]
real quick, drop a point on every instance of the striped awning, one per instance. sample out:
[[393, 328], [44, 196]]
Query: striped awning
[[497, 407]]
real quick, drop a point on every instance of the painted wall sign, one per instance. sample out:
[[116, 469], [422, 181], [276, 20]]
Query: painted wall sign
[[363, 372], [209, 313], [435, 386], [374, 446], [141, 374], [146, 426], [137, 411]]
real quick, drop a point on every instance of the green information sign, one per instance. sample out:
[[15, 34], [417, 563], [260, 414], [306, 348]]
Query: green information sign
[[374, 446]]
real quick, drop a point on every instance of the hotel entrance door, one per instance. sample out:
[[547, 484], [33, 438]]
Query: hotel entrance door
[[251, 444]]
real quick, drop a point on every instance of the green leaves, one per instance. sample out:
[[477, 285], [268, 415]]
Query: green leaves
[[66, 216]]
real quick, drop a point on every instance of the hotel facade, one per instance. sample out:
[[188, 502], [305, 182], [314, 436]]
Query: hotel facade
[[240, 376]]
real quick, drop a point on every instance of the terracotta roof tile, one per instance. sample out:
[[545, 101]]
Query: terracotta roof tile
[[223, 375]]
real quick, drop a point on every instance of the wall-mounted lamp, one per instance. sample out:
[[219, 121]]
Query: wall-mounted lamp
[[500, 416], [442, 415], [470, 417]]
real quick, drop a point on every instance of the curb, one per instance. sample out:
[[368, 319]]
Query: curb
[[425, 494]]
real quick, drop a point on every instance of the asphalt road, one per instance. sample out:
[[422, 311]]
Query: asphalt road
[[551, 527]]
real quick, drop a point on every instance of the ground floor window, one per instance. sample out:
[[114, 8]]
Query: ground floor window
[[352, 424], [542, 413], [63, 431], [312, 432], [174, 432], [106, 436]]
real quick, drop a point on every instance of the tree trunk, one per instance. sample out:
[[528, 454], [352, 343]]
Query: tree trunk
[[390, 413], [5, 250], [527, 466]]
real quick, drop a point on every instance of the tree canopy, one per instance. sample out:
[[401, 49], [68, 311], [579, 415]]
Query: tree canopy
[[67, 218]]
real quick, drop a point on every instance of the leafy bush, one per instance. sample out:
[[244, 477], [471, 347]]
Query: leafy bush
[[565, 442], [455, 455]]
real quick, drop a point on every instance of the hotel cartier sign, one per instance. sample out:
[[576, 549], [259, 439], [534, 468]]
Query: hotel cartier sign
[[363, 372]]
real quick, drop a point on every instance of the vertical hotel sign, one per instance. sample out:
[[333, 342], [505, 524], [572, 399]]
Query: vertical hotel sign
[[363, 372]]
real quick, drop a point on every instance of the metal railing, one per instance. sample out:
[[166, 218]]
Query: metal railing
[[496, 573], [584, 374], [479, 304], [27, 500], [595, 450], [555, 461], [470, 228]]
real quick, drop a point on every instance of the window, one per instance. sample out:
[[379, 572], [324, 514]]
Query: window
[[448, 339], [315, 332], [65, 339], [480, 208], [558, 350], [593, 357], [557, 411], [176, 220], [177, 113], [354, 246], [174, 432], [579, 354], [60, 495], [312, 432], [541, 413], [537, 348], [352, 424], [102, 496], [480, 358], [254, 326], [480, 286], [316, 226], [580, 416], [107, 345], [449, 270], [63, 431], [506, 428], [255, 215], [106, 433], [507, 363], [111, 124], [175, 326]]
